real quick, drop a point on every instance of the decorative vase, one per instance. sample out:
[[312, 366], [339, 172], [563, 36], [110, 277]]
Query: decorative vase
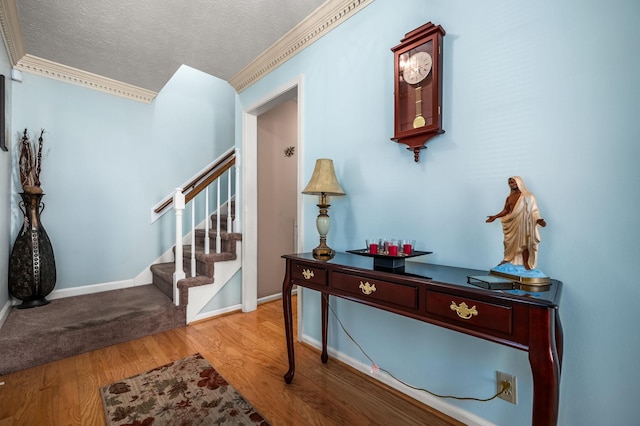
[[32, 266]]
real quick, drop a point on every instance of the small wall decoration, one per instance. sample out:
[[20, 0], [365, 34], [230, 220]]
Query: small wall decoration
[[289, 151], [3, 118]]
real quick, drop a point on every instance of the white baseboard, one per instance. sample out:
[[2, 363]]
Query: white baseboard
[[439, 404], [217, 312], [94, 288], [4, 313], [274, 297], [211, 314]]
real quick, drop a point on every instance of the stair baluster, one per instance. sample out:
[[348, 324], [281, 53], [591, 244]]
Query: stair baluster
[[193, 238], [218, 238], [178, 206], [207, 244], [229, 224]]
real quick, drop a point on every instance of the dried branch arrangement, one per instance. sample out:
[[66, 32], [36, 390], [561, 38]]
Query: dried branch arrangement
[[30, 163]]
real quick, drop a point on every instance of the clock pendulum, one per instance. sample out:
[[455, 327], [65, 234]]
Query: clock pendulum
[[419, 121]]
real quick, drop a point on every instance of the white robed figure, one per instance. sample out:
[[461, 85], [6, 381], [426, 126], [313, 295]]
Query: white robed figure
[[520, 220]]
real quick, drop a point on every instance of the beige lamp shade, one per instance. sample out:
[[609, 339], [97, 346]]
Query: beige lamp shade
[[323, 179]]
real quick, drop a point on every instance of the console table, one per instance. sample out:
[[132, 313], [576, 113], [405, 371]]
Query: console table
[[440, 295]]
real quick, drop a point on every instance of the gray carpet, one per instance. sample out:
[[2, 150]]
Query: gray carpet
[[74, 325]]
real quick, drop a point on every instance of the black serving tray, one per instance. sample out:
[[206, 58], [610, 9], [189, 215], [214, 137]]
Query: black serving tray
[[386, 262]]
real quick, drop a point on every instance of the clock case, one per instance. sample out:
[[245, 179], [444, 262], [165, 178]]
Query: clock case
[[427, 38]]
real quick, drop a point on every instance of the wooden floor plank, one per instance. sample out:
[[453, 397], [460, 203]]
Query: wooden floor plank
[[248, 349], [69, 412]]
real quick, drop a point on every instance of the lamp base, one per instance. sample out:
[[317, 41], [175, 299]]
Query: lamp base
[[323, 252]]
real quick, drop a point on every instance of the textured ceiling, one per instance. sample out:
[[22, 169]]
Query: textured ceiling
[[143, 42]]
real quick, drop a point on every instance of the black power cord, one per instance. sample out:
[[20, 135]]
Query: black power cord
[[505, 384]]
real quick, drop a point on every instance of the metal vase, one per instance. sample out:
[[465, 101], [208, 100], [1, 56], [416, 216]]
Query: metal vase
[[32, 266]]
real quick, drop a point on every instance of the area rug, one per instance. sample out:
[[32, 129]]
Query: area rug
[[188, 391]]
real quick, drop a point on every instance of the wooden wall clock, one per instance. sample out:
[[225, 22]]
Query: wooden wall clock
[[418, 87]]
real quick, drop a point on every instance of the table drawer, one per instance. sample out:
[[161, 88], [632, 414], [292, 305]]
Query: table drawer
[[377, 290], [471, 312], [308, 274]]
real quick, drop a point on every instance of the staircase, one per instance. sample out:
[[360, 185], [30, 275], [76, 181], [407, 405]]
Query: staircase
[[74, 325], [212, 270]]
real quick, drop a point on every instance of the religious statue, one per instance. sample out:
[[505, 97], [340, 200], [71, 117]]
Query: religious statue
[[520, 221]]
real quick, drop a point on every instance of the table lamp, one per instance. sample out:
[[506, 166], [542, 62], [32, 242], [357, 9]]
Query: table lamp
[[323, 183]]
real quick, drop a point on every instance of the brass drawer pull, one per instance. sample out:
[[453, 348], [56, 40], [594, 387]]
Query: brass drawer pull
[[367, 288], [307, 274], [463, 310]]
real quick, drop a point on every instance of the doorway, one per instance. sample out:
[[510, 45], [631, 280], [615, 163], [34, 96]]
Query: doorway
[[277, 194], [249, 186]]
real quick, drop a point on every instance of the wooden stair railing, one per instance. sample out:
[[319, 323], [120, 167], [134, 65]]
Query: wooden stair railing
[[203, 180]]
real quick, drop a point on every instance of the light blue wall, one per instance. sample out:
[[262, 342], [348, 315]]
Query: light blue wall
[[546, 90], [109, 160]]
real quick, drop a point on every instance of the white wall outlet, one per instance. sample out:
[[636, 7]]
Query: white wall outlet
[[510, 394]]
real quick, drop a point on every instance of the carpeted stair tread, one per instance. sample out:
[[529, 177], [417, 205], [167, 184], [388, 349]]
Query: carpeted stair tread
[[194, 281], [227, 243], [74, 325], [236, 236], [162, 277], [203, 257], [164, 269]]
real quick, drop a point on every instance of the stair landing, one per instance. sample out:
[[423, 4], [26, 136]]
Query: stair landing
[[79, 324]]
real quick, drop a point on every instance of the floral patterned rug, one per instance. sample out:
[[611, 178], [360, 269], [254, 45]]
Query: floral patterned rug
[[185, 392]]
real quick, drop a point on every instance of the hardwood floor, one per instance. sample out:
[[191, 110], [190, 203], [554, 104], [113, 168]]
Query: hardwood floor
[[249, 350]]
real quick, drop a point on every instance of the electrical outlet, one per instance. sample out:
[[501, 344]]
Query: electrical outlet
[[509, 394]]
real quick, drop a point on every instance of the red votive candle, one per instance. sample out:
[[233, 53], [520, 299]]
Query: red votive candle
[[406, 248], [373, 248], [393, 250]]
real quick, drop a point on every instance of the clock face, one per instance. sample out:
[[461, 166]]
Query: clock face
[[417, 68]]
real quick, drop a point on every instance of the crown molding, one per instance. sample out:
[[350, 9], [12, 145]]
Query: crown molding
[[46, 68], [11, 33], [14, 43], [324, 19], [327, 17]]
